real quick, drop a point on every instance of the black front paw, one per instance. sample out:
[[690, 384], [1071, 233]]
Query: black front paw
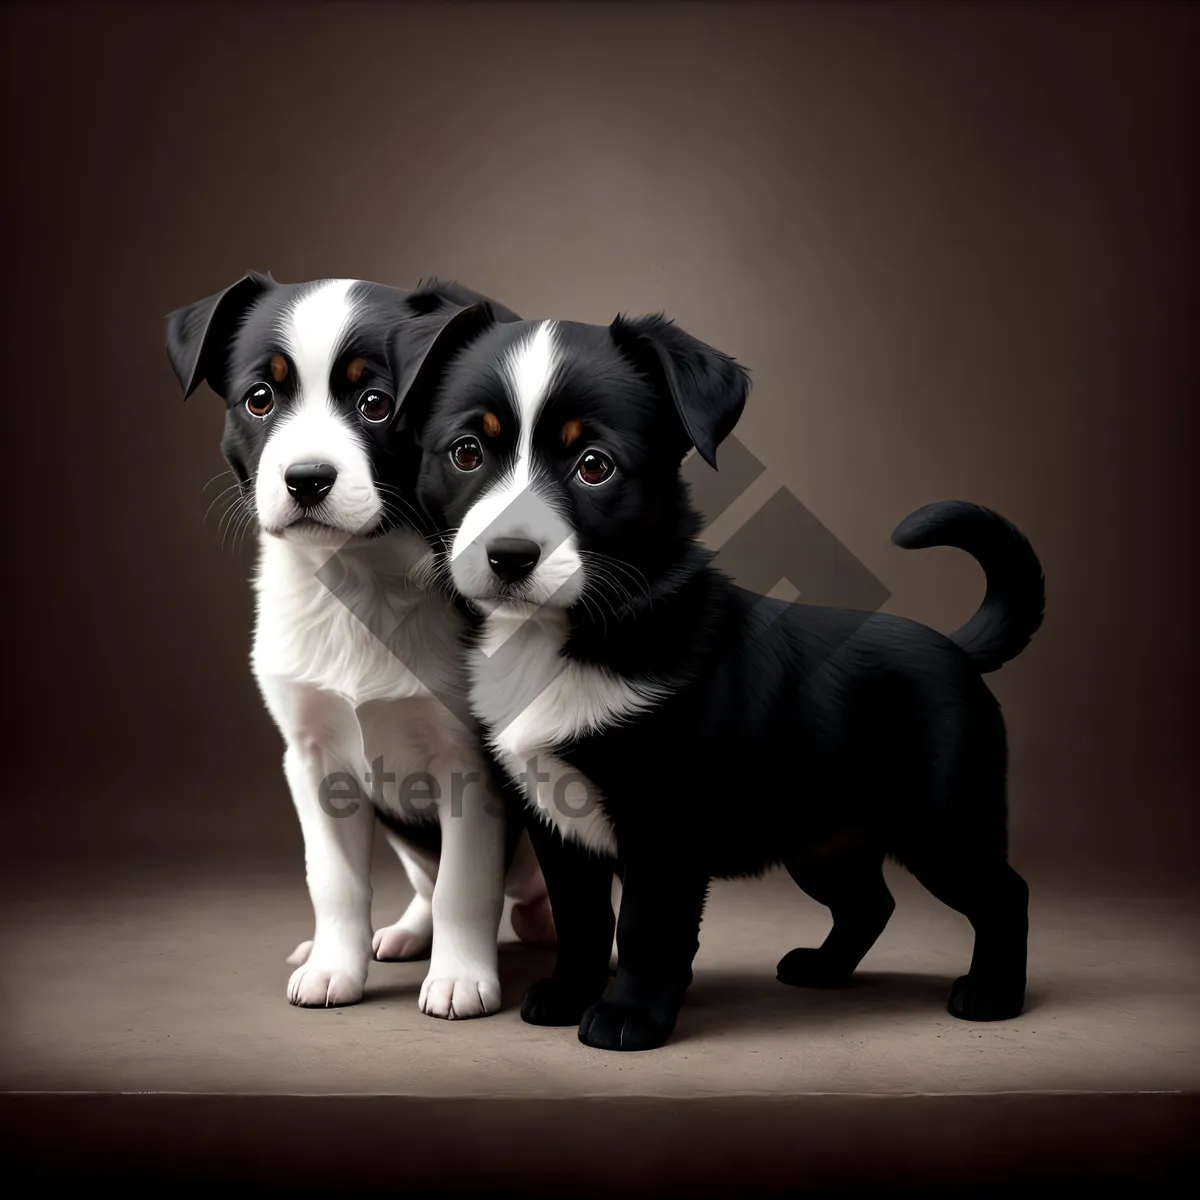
[[557, 1002], [613, 1026]]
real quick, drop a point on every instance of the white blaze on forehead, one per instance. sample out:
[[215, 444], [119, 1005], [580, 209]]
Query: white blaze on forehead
[[527, 371], [312, 330]]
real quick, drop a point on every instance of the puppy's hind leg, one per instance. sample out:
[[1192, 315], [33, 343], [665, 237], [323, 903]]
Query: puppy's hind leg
[[532, 916], [849, 881], [411, 937], [995, 899], [959, 852]]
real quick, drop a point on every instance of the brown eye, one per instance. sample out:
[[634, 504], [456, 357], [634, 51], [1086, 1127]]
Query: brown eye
[[467, 454], [259, 400], [375, 406], [594, 467]]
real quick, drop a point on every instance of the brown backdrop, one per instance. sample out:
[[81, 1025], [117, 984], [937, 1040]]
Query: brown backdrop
[[954, 244]]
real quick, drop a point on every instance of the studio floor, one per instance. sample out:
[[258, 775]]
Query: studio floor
[[145, 1020]]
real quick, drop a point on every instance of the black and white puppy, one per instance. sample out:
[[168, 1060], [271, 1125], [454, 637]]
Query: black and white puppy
[[675, 727], [313, 376]]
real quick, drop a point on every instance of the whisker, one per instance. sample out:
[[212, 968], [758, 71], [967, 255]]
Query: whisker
[[591, 605], [234, 516], [238, 519], [229, 514], [218, 475], [415, 516], [604, 567], [244, 529], [601, 581], [619, 565], [217, 499]]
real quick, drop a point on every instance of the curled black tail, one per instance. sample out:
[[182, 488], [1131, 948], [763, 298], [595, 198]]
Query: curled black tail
[[1015, 601]]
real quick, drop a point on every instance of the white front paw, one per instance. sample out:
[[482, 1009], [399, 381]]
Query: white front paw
[[312, 986], [457, 997]]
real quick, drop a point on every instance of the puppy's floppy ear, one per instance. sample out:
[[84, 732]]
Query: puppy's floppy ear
[[423, 348], [707, 388], [199, 334], [433, 293]]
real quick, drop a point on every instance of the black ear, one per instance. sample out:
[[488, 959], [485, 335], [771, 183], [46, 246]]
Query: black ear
[[433, 293], [199, 334], [423, 348], [708, 388]]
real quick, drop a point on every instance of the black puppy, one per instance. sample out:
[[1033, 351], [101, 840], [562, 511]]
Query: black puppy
[[668, 724]]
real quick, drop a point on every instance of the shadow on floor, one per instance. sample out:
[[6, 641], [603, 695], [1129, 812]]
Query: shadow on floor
[[722, 1000]]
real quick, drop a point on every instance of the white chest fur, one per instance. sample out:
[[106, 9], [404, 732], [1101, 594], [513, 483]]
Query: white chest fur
[[531, 700], [356, 668]]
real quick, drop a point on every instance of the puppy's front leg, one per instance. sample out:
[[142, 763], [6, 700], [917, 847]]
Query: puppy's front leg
[[468, 901], [580, 883], [337, 851], [657, 938]]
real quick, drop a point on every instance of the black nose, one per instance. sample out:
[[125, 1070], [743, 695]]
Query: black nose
[[309, 483], [511, 559]]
